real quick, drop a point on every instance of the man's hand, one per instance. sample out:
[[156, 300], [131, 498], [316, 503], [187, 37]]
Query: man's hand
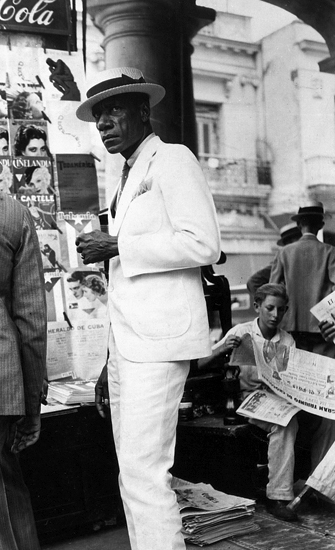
[[101, 392], [44, 392], [27, 432], [96, 246], [327, 330]]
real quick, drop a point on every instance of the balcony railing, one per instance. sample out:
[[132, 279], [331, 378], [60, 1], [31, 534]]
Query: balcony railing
[[237, 175]]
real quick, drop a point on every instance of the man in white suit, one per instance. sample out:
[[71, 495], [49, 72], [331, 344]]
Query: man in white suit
[[164, 230]]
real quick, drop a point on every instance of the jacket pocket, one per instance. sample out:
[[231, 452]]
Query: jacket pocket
[[160, 306]]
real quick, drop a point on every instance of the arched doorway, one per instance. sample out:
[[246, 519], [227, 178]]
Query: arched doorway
[[321, 16]]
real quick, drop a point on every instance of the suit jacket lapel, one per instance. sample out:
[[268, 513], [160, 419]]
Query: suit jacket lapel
[[136, 176]]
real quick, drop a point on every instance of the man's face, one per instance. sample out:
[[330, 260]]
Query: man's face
[[119, 120], [76, 289], [270, 313]]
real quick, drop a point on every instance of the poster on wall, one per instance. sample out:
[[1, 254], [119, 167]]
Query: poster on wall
[[78, 324], [85, 295], [77, 183], [6, 175], [29, 138], [45, 163], [67, 134], [4, 138], [50, 251], [70, 225], [63, 75], [24, 87], [79, 351], [33, 176]]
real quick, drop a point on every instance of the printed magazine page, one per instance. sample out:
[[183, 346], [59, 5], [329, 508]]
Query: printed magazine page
[[267, 406]]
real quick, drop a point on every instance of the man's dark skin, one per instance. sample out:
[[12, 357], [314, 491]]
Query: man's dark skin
[[123, 122]]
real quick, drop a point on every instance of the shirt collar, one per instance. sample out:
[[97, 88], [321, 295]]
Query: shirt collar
[[136, 153], [256, 330]]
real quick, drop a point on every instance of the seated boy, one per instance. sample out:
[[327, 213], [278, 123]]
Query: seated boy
[[270, 303]]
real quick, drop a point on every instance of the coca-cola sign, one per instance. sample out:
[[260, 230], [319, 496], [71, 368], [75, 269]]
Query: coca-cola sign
[[38, 16]]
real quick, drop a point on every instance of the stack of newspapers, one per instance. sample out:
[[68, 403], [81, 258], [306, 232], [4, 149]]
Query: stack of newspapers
[[76, 391], [209, 516]]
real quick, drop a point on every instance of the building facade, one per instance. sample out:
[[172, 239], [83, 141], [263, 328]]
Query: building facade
[[265, 120]]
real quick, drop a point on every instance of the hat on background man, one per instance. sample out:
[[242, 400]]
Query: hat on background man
[[122, 80], [289, 233], [310, 208]]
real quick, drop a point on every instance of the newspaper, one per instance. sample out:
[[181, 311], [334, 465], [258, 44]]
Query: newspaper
[[325, 310], [305, 379], [267, 406], [209, 515], [244, 353], [71, 392]]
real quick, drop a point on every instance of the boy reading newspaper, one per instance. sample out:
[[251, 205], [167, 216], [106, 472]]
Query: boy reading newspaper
[[270, 303]]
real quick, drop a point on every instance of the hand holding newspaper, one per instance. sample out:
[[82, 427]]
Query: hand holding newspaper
[[325, 309]]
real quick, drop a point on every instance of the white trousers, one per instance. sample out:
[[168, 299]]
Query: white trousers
[[281, 458], [144, 401]]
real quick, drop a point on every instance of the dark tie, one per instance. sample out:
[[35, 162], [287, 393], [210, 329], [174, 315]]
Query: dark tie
[[124, 176]]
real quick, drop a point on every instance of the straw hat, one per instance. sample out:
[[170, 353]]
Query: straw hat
[[289, 231], [117, 81], [310, 208]]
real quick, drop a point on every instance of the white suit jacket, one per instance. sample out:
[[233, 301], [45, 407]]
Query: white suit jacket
[[167, 228]]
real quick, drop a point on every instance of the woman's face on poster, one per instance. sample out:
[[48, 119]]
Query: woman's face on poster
[[89, 294], [36, 148], [40, 181], [4, 150]]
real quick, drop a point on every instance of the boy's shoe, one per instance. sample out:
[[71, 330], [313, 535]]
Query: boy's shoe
[[278, 508]]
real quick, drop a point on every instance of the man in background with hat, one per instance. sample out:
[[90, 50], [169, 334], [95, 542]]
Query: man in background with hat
[[162, 229], [307, 268], [289, 233]]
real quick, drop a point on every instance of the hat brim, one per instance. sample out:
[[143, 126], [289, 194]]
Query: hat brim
[[154, 91], [297, 217]]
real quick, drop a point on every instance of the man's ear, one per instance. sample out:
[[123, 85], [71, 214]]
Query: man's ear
[[145, 112], [256, 307]]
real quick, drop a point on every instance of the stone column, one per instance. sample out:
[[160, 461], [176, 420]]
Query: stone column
[[154, 35]]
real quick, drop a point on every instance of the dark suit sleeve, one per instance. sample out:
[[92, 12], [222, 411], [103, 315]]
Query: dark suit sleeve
[[277, 270], [29, 313], [259, 278], [331, 267]]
